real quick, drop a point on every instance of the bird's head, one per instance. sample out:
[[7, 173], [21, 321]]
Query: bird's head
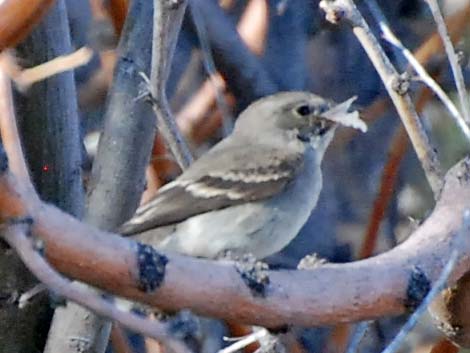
[[308, 118]]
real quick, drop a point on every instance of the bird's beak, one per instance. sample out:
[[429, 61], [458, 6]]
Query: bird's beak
[[326, 127], [344, 115], [320, 141], [316, 128]]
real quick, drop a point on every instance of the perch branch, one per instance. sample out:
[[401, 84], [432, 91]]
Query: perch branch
[[17, 237], [438, 286], [378, 286]]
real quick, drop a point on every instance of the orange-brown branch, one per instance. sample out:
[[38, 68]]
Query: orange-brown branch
[[329, 294], [18, 18]]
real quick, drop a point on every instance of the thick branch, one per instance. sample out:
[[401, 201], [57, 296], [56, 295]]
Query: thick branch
[[118, 175], [19, 18], [50, 128], [126, 141], [382, 285], [49, 122], [19, 238]]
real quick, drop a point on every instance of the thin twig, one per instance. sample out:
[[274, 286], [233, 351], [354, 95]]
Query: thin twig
[[16, 236], [245, 341], [24, 78], [243, 71], [197, 119], [167, 19], [438, 286], [453, 60], [456, 24], [427, 50], [338, 9], [9, 131], [356, 339], [389, 36], [227, 119], [26, 297]]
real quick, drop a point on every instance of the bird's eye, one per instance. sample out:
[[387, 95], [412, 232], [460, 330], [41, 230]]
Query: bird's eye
[[304, 110]]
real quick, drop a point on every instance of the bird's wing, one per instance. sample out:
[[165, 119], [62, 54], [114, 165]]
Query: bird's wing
[[223, 177]]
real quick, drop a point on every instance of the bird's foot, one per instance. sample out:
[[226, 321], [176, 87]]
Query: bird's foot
[[311, 262], [253, 273]]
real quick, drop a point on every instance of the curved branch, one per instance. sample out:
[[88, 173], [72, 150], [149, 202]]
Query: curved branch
[[378, 286], [17, 236], [19, 18]]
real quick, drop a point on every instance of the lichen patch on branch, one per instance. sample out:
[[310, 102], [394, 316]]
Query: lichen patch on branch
[[151, 266]]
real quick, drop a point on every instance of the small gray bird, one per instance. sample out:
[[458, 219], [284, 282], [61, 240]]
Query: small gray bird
[[253, 191]]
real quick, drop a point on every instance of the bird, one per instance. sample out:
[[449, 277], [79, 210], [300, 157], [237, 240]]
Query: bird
[[252, 192]]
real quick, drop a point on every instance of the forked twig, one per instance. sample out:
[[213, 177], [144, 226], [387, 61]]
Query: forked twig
[[167, 19], [389, 36], [337, 10]]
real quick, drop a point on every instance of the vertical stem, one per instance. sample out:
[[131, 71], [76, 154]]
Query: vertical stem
[[454, 63], [48, 118], [118, 175], [49, 122], [167, 19]]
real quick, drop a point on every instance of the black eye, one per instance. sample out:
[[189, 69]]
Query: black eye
[[304, 110]]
